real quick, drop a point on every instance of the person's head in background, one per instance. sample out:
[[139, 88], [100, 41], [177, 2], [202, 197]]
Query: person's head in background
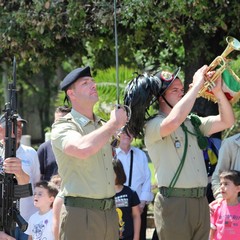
[[44, 195], [126, 139], [56, 179], [230, 185], [20, 125], [120, 178], [61, 111]]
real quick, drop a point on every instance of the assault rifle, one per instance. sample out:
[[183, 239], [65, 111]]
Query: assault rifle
[[11, 192]]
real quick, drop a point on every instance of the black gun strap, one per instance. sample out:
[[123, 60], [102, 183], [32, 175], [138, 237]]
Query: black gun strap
[[22, 191], [130, 170]]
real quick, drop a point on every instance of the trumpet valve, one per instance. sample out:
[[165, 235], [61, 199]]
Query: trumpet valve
[[210, 85]]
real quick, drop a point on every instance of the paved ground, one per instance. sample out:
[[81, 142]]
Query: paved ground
[[150, 222], [149, 233]]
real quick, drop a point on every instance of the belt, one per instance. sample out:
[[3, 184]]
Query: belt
[[90, 203], [183, 192]]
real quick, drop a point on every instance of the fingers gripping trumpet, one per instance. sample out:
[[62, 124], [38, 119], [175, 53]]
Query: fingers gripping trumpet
[[221, 67]]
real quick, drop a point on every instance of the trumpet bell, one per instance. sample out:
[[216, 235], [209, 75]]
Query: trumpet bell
[[233, 42], [231, 82]]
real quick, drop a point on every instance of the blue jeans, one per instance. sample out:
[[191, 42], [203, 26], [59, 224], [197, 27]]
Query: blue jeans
[[19, 235]]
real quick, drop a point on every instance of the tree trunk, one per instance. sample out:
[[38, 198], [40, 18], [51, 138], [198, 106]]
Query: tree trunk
[[202, 107]]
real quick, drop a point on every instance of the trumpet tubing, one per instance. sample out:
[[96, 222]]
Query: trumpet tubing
[[219, 64]]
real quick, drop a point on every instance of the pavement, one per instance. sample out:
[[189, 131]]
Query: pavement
[[149, 233]]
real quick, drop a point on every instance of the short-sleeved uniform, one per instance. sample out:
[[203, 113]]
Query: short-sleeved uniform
[[87, 178], [178, 216]]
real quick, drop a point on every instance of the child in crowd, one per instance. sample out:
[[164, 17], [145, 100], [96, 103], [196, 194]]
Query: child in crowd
[[225, 214], [127, 206], [40, 223], [56, 179]]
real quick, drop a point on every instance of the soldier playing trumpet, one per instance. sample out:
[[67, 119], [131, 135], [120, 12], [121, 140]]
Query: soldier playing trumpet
[[174, 141]]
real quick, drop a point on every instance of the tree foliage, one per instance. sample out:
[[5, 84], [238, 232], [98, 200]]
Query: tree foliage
[[50, 37], [151, 32]]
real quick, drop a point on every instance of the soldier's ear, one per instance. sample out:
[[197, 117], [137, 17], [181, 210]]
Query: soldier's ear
[[70, 93]]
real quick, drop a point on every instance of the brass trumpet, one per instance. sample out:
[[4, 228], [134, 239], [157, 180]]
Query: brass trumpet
[[220, 64]]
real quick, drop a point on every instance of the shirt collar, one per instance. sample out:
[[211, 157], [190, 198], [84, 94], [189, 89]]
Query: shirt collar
[[83, 120], [118, 150]]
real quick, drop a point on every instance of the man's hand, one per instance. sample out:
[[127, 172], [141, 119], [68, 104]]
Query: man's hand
[[142, 206], [199, 77], [4, 236], [218, 86], [13, 165], [119, 116], [214, 203]]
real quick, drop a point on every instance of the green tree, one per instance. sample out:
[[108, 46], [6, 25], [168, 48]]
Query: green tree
[[51, 37]]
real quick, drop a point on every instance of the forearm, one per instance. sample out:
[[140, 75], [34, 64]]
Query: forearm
[[185, 105], [4, 236], [225, 110], [88, 145], [136, 222], [56, 225], [57, 209], [22, 178], [211, 234], [179, 112], [136, 226], [225, 118]]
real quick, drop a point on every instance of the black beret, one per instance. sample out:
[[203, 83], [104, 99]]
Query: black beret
[[74, 76]]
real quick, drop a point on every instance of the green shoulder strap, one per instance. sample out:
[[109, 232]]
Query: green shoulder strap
[[201, 139], [180, 166], [202, 143]]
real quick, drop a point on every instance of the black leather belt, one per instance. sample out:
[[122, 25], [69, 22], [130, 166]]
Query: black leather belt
[[90, 203], [183, 192]]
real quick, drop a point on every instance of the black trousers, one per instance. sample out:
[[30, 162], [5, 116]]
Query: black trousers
[[143, 223], [155, 236]]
